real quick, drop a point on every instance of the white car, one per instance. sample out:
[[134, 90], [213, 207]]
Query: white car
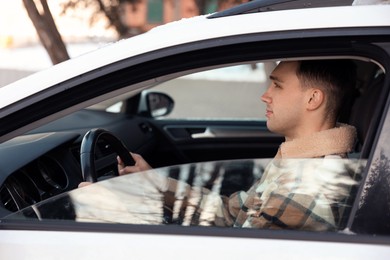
[[186, 97]]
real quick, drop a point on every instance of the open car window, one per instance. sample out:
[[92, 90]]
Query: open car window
[[239, 193], [220, 94], [223, 93]]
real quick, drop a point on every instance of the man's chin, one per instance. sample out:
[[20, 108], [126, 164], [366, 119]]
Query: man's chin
[[269, 126], [272, 128]]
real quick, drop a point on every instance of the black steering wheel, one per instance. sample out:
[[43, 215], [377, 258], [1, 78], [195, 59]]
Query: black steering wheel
[[89, 148]]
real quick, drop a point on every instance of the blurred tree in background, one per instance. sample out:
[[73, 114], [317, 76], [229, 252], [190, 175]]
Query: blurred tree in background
[[115, 11], [42, 19], [119, 14], [111, 9]]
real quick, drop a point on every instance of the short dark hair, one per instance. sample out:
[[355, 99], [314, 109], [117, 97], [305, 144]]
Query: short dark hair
[[336, 78]]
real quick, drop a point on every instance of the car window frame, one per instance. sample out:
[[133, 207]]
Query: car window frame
[[154, 64]]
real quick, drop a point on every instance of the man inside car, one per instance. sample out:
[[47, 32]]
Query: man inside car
[[303, 103]]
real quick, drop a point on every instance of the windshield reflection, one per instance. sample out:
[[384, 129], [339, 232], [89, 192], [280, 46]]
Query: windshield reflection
[[202, 194]]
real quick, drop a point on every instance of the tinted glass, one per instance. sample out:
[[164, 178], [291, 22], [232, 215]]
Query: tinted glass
[[373, 215], [303, 194]]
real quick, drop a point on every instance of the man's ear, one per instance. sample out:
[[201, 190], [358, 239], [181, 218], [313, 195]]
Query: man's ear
[[315, 99]]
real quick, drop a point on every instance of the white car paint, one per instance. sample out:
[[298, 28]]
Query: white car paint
[[77, 245]]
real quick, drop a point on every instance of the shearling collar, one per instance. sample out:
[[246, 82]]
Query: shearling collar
[[338, 140]]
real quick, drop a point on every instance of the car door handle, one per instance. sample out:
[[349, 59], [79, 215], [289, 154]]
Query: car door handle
[[230, 132], [181, 133], [206, 134]]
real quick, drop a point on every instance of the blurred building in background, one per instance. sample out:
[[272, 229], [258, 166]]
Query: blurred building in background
[[150, 13], [22, 54]]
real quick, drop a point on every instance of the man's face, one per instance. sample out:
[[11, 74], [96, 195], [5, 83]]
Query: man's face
[[285, 100]]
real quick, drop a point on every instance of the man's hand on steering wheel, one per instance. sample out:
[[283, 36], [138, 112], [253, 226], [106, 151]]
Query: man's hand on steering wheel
[[112, 147], [127, 162], [139, 166]]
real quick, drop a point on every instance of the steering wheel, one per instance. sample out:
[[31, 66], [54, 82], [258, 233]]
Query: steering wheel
[[89, 148]]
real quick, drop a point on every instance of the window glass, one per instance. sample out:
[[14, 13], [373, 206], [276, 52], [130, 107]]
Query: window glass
[[373, 215], [211, 6], [225, 93], [243, 193], [155, 11]]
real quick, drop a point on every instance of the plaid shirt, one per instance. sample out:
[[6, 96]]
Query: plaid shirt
[[293, 193], [300, 195]]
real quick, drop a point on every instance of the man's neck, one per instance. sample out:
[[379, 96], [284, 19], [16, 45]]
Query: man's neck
[[309, 130]]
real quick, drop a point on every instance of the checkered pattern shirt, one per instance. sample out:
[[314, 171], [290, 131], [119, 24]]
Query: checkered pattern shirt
[[294, 193]]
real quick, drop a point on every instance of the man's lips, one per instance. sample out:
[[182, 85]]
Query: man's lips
[[268, 113]]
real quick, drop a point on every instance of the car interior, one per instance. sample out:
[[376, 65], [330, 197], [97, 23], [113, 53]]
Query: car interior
[[48, 157]]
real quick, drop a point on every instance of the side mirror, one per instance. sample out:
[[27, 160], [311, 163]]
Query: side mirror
[[156, 104]]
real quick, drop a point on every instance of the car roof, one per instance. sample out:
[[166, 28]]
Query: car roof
[[177, 33], [274, 5]]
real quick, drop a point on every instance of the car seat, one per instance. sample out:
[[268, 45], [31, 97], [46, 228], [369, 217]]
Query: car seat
[[364, 115]]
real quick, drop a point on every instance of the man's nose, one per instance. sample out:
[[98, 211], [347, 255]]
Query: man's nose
[[266, 97]]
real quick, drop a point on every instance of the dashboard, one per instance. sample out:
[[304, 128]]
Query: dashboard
[[46, 161], [37, 166]]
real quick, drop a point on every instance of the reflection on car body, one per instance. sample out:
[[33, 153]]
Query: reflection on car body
[[195, 197]]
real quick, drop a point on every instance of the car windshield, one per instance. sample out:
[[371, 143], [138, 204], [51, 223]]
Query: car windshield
[[204, 194]]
